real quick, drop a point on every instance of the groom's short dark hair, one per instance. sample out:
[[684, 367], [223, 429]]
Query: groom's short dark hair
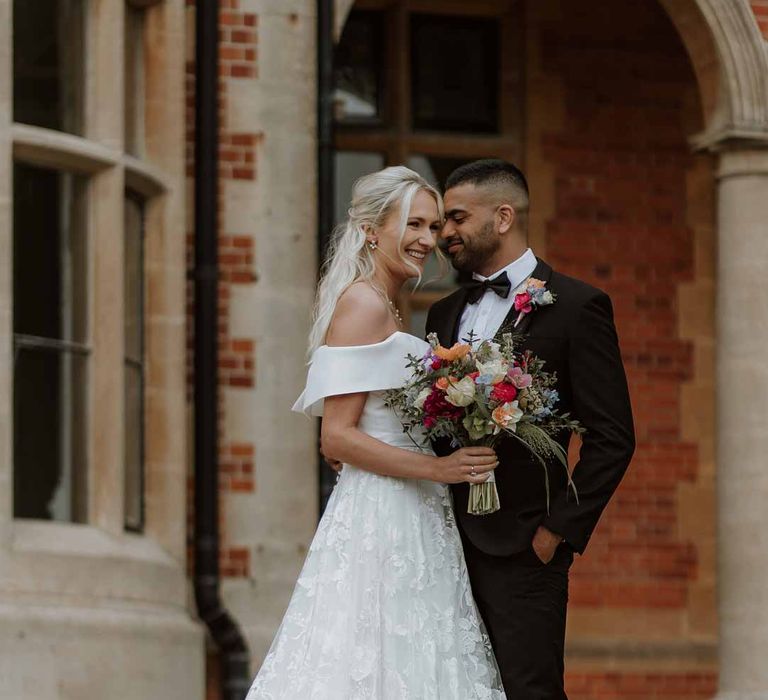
[[490, 171], [506, 181]]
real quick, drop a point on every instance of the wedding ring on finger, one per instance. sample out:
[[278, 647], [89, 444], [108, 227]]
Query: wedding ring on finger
[[473, 472]]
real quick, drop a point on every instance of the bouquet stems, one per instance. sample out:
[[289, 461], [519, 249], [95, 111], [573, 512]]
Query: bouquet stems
[[483, 498]]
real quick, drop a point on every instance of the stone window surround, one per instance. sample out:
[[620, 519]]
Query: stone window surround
[[46, 558]]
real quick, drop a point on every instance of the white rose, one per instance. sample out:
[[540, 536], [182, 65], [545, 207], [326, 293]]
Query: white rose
[[495, 368], [461, 393], [494, 350], [546, 298], [421, 398]]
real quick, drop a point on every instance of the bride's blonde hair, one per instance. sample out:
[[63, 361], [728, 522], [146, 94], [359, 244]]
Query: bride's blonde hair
[[349, 259]]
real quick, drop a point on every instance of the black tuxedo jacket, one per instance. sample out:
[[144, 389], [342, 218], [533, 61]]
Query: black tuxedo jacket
[[577, 338]]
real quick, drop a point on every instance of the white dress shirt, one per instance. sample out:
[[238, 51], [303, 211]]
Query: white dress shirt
[[486, 316]]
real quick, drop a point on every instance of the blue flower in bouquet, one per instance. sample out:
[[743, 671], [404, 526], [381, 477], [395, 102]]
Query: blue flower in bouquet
[[478, 395], [484, 380], [492, 372]]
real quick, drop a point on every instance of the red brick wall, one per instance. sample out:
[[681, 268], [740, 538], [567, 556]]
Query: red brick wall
[[641, 686], [620, 221], [238, 54], [760, 8]]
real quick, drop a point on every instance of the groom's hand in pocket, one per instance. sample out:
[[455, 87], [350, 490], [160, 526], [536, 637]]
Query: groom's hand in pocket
[[544, 544]]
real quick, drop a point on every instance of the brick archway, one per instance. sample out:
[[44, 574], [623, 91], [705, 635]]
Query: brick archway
[[641, 223], [728, 54], [644, 220], [727, 51]]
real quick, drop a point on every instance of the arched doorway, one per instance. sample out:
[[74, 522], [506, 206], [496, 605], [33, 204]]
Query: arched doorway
[[608, 103]]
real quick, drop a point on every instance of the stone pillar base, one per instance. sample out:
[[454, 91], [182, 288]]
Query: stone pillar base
[[57, 651]]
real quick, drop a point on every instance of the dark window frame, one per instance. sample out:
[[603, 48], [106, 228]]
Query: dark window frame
[[140, 365], [62, 83], [59, 347], [379, 21], [490, 30]]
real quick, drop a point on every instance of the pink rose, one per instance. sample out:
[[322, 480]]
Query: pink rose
[[519, 378]]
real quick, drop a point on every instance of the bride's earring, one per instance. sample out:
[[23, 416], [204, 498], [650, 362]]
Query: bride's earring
[[372, 245]]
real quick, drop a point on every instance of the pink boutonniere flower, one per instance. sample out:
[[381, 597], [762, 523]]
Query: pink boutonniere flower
[[523, 302], [533, 295]]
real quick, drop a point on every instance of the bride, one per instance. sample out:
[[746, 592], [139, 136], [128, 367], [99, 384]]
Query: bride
[[382, 609]]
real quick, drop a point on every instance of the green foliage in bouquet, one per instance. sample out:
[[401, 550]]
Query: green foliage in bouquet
[[475, 394]]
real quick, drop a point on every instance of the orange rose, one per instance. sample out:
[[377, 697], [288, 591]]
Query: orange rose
[[507, 416], [444, 382], [456, 352]]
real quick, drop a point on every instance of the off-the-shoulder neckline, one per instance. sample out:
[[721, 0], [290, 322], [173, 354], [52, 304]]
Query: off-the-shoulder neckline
[[371, 345]]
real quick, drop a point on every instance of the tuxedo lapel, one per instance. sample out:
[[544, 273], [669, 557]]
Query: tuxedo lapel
[[448, 327], [542, 272]]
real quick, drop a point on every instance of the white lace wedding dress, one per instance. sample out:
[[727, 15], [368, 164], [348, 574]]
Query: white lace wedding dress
[[382, 609]]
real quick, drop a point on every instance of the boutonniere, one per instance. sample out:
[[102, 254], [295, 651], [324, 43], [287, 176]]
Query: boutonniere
[[534, 294]]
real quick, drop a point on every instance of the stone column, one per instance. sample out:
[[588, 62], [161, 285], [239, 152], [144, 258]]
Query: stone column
[[742, 423]]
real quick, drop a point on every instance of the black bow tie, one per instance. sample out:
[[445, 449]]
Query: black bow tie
[[499, 284]]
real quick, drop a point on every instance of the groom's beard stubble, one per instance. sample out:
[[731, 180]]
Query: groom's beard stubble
[[474, 251]]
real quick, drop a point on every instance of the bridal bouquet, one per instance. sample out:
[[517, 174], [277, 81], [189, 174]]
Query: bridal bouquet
[[475, 394]]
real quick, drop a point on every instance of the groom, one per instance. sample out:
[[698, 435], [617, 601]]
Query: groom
[[518, 558]]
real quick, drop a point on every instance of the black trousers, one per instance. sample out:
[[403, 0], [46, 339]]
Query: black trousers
[[523, 603]]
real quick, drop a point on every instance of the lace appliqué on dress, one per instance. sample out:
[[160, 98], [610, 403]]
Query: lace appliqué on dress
[[382, 609]]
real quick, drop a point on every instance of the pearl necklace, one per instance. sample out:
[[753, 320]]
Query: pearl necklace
[[395, 311], [373, 246]]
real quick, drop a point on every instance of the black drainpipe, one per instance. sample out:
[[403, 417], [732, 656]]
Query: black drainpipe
[[233, 651], [325, 171]]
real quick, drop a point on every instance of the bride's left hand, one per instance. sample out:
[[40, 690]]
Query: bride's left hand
[[470, 464], [332, 463]]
